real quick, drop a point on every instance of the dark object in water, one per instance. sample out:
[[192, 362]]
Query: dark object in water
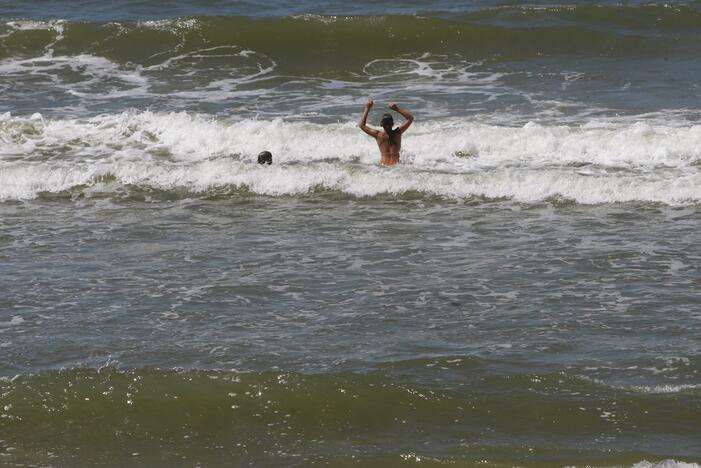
[[265, 157]]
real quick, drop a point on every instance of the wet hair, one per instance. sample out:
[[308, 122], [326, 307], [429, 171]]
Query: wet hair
[[388, 121], [265, 157]]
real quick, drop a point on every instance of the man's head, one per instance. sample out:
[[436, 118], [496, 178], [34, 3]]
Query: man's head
[[387, 122], [265, 157]]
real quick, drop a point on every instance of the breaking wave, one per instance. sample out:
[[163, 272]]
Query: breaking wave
[[599, 162]]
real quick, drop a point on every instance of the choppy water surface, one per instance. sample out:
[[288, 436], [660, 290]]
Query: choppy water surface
[[322, 283], [521, 290]]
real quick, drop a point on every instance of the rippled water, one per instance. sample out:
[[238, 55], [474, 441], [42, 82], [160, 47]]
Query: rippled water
[[321, 283], [586, 314]]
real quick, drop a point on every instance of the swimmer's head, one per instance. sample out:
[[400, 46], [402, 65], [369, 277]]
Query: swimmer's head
[[387, 122], [265, 157]]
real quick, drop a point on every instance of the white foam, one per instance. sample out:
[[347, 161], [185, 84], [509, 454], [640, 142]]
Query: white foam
[[240, 66], [95, 70], [666, 464], [58, 26], [665, 389], [601, 162], [16, 320], [227, 67], [170, 24], [443, 71], [35, 25], [648, 389], [331, 19]]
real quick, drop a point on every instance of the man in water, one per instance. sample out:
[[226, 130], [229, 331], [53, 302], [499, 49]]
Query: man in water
[[389, 141]]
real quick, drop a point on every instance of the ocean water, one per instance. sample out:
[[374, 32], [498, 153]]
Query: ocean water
[[522, 290]]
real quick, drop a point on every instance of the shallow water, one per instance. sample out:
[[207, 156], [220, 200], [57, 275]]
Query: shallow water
[[475, 320]]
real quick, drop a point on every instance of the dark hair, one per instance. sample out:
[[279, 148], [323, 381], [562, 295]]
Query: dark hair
[[265, 157], [388, 121]]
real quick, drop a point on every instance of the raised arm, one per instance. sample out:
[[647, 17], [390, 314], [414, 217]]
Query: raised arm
[[405, 113], [363, 124]]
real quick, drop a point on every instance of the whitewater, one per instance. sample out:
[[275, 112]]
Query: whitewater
[[598, 162]]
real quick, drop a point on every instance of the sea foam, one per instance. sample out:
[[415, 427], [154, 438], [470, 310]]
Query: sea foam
[[600, 162], [666, 464]]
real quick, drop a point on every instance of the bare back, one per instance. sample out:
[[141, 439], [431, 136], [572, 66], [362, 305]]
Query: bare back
[[389, 153]]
